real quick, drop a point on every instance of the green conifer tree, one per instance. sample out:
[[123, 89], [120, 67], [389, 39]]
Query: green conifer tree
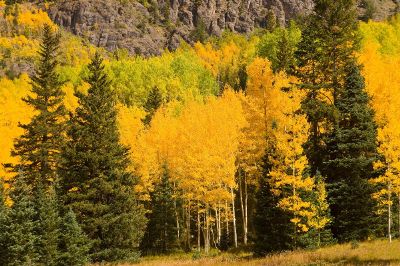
[[95, 182], [39, 146], [21, 234], [74, 244], [273, 229], [4, 225], [352, 151], [154, 101], [47, 223], [329, 40], [160, 236]]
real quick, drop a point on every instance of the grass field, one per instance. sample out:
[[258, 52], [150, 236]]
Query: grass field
[[378, 252]]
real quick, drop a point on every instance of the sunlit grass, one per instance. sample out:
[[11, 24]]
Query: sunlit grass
[[378, 252]]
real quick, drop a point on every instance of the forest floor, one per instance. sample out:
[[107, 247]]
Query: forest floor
[[378, 252]]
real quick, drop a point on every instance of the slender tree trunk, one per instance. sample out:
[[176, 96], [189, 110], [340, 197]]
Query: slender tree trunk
[[390, 214], [246, 197], [234, 219], [398, 209], [218, 222], [207, 231], [178, 229], [227, 217], [198, 227], [188, 240], [243, 203], [213, 236]]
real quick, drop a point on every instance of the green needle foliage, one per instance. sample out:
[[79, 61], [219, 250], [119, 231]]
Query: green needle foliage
[[4, 225], [39, 146], [95, 182], [273, 229], [74, 244], [47, 223], [160, 236], [352, 151], [21, 233]]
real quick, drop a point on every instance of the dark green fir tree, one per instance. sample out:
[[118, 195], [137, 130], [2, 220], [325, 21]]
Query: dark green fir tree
[[95, 181], [4, 225], [40, 144], [329, 40], [47, 223], [352, 150], [160, 236], [154, 101], [74, 245], [21, 249], [273, 229]]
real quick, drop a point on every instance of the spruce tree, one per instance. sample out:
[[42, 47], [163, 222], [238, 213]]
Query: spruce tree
[[47, 223], [39, 146], [160, 236], [74, 244], [95, 182], [352, 151], [329, 40], [154, 101], [4, 224], [273, 229], [21, 234]]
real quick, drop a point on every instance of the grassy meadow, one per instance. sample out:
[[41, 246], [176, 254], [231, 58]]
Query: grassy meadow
[[378, 252]]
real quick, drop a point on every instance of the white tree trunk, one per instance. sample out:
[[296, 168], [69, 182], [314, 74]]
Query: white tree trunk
[[234, 219], [198, 228]]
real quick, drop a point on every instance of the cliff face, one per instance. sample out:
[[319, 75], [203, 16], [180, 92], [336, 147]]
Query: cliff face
[[151, 27]]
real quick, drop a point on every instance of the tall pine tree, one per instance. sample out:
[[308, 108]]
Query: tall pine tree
[[154, 101], [329, 40], [273, 229], [74, 244], [95, 182], [352, 151], [160, 236], [21, 250], [4, 224], [39, 146], [342, 138], [47, 223]]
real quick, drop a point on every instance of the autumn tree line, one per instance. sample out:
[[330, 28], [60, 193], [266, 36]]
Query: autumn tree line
[[285, 140]]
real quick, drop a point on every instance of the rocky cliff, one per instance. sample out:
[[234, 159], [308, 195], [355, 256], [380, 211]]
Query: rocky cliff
[[148, 26]]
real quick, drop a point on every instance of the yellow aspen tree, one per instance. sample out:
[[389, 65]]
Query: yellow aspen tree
[[382, 80], [287, 174], [13, 110]]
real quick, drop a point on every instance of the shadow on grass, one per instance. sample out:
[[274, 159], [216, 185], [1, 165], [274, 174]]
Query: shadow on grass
[[355, 260]]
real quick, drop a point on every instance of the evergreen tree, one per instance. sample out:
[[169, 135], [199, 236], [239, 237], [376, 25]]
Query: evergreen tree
[[154, 101], [284, 54], [95, 182], [21, 234], [352, 151], [4, 224], [39, 146], [74, 244], [329, 40], [160, 236], [47, 223], [273, 229]]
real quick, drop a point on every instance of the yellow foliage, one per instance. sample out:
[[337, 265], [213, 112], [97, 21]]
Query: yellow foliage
[[13, 110]]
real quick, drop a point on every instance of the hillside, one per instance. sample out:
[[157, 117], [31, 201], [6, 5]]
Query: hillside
[[148, 27], [274, 143]]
